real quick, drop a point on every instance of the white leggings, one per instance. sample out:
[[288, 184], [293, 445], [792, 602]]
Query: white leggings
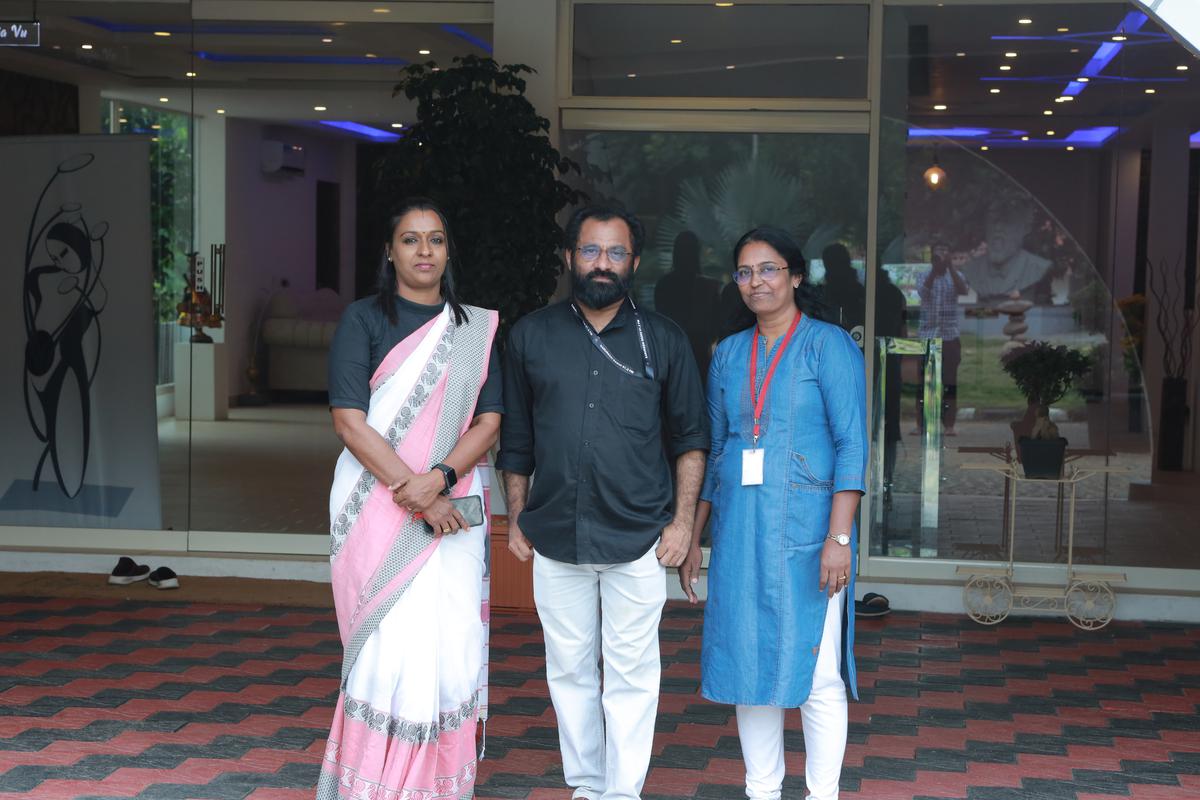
[[824, 715]]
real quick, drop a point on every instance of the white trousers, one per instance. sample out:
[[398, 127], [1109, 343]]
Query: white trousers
[[824, 715], [610, 610]]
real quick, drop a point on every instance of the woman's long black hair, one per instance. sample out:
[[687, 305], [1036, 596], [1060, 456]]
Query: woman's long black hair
[[806, 297], [386, 282]]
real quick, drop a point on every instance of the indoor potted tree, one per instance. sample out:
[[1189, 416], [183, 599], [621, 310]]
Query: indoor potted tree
[[1044, 373]]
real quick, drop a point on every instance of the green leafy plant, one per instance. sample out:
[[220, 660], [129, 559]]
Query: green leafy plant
[[480, 150], [1044, 373]]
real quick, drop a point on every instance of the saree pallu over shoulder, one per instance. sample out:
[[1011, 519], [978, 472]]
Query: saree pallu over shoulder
[[423, 398]]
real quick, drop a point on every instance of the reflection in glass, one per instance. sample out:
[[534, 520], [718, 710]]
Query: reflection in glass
[[1039, 231], [744, 50]]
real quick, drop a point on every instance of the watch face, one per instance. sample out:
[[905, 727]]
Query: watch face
[[843, 539]]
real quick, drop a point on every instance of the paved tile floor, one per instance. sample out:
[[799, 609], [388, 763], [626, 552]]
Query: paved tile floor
[[117, 698]]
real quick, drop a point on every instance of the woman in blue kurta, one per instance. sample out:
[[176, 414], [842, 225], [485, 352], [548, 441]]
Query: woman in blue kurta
[[776, 631]]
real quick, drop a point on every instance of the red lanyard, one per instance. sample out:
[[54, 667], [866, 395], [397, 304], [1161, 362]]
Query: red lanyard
[[757, 399]]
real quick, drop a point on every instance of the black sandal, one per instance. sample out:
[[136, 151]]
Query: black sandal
[[872, 605]]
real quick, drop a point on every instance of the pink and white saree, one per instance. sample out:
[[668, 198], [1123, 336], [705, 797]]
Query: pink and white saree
[[411, 607]]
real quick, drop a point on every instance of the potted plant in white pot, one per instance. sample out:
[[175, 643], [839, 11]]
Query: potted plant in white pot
[[1044, 373]]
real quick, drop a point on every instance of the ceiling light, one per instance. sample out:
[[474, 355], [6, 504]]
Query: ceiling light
[[1025, 21], [677, 41], [189, 74], [1083, 80], [939, 107], [731, 66], [327, 40], [1066, 98], [1049, 133], [1010, 54], [371, 55], [960, 54], [164, 99], [423, 52], [397, 124], [162, 33], [85, 47], [318, 108], [1182, 68], [994, 91], [631, 75], [839, 58], [1063, 30], [1048, 113], [724, 5], [1074, 49], [382, 10], [338, 24], [1059, 99], [122, 120], [1150, 91], [1024, 138], [1119, 38], [220, 111], [56, 47], [437, 69], [1005, 67], [1070, 147], [985, 147]]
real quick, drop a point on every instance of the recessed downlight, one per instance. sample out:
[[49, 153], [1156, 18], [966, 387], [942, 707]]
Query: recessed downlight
[[1010, 54], [397, 124], [162, 33], [1005, 68], [164, 99], [939, 107], [220, 111], [319, 108], [1151, 91], [1025, 21], [424, 52], [994, 91], [1048, 113], [85, 47]]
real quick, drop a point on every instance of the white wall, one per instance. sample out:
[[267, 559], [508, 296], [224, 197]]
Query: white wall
[[270, 229]]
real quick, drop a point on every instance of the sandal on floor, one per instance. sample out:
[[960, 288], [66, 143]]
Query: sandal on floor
[[872, 605]]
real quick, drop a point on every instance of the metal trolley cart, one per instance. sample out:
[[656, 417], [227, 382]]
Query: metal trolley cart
[[1087, 598]]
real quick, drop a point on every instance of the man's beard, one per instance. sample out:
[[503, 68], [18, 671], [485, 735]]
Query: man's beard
[[600, 294]]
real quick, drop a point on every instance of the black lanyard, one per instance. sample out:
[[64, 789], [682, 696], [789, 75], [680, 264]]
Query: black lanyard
[[647, 367]]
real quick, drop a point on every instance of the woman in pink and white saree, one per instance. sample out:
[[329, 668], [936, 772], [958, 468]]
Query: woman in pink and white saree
[[409, 572]]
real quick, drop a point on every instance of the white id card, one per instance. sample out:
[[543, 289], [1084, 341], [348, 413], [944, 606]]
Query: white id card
[[752, 467]]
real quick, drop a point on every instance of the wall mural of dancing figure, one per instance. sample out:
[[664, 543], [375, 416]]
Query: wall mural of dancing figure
[[63, 299]]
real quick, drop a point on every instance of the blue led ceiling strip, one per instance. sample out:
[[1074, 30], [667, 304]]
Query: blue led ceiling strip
[[468, 37], [375, 134]]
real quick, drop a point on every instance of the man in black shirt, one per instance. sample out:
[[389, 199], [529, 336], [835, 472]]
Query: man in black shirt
[[601, 398]]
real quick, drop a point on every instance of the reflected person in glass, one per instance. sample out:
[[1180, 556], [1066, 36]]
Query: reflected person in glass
[[416, 396], [787, 402]]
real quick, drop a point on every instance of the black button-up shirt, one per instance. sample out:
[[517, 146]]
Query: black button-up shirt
[[598, 437]]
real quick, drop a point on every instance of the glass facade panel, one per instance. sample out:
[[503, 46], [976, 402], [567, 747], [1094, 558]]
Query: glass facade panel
[[1018, 196], [708, 50]]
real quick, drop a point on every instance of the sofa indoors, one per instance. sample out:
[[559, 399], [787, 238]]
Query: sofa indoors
[[297, 330]]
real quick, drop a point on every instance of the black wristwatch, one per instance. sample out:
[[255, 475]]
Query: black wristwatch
[[449, 474]]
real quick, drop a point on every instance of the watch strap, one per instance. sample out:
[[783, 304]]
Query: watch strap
[[450, 476]]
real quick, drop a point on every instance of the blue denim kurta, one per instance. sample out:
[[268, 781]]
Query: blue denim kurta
[[765, 614]]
